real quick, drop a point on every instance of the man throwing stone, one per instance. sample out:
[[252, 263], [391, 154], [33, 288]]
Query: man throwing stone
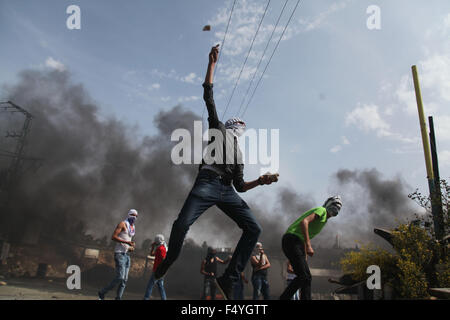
[[221, 169]]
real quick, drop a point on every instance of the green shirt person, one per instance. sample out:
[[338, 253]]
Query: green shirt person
[[296, 244], [316, 218]]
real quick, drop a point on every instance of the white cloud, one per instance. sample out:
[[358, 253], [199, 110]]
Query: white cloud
[[434, 73], [154, 86], [172, 74], [55, 64], [405, 94], [244, 23], [231, 73], [165, 99], [345, 141], [442, 127], [441, 30], [399, 98], [246, 18], [336, 149], [190, 78], [366, 117], [444, 158], [187, 99], [306, 25]]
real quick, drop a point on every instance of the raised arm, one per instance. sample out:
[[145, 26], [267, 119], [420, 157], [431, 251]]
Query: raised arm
[[213, 55], [208, 88]]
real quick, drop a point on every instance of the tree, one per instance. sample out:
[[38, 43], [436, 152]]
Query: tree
[[425, 202], [420, 261]]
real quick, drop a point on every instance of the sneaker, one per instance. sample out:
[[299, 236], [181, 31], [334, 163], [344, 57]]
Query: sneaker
[[101, 296], [225, 286]]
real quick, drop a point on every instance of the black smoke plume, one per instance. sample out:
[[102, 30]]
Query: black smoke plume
[[370, 201], [94, 170]]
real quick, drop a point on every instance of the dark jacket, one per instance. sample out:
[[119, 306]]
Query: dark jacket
[[229, 171]]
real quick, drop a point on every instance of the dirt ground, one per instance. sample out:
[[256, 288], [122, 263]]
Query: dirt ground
[[53, 289], [31, 288]]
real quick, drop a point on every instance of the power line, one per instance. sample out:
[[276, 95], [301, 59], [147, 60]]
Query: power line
[[224, 37], [262, 56], [270, 59], [245, 61], [223, 43]]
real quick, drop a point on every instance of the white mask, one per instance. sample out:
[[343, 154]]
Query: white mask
[[238, 131]]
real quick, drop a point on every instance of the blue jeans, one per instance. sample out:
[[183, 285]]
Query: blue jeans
[[238, 290], [207, 191], [260, 286], [122, 267], [209, 288], [151, 284]]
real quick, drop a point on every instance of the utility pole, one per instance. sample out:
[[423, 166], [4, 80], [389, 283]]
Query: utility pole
[[17, 157], [438, 226], [436, 198]]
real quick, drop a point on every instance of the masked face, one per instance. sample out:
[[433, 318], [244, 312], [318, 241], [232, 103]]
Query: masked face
[[132, 219], [333, 211], [239, 131], [211, 254], [237, 127], [159, 239], [257, 249]]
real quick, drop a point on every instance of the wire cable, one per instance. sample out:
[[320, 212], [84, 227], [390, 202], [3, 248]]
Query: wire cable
[[224, 38], [246, 58], [270, 59], [262, 56], [223, 43]]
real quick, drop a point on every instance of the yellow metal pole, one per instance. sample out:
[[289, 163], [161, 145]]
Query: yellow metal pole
[[423, 125]]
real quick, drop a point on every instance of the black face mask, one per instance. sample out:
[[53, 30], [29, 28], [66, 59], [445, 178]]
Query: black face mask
[[333, 211], [211, 254]]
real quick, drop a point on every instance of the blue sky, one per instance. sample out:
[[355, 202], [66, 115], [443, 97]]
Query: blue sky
[[341, 94]]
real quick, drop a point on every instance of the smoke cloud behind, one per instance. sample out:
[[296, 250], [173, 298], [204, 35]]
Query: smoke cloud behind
[[94, 170], [370, 201]]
